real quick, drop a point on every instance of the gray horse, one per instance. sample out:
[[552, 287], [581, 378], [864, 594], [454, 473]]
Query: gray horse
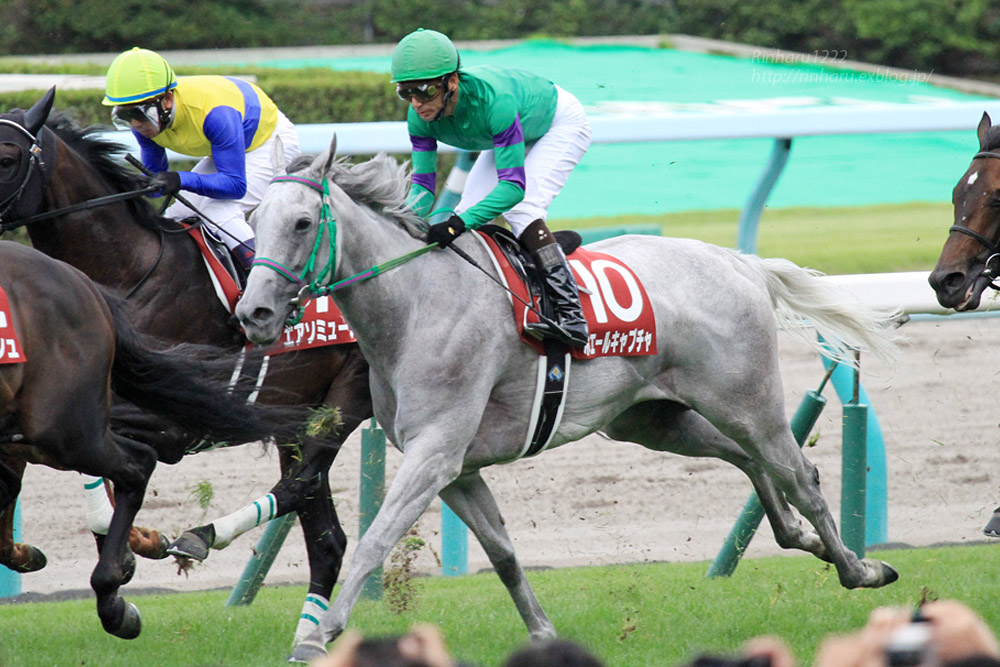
[[453, 387]]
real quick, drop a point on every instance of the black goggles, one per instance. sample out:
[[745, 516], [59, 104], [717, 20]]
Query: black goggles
[[423, 92], [148, 112]]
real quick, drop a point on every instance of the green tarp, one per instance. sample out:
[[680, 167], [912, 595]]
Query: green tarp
[[676, 176]]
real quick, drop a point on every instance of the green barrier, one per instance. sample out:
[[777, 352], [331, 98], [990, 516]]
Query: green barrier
[[256, 569], [854, 466], [372, 494], [594, 234]]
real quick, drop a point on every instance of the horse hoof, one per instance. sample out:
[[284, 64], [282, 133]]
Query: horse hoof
[[148, 543], [191, 544], [306, 652], [889, 574], [32, 559], [992, 528], [131, 624]]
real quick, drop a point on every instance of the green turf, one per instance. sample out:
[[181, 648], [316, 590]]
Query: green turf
[[650, 614], [866, 239]]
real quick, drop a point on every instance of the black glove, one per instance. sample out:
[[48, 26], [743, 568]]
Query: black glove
[[443, 233], [169, 182]]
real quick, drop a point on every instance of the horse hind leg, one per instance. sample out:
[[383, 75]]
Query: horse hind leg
[[472, 501], [668, 426], [145, 542], [21, 558], [766, 436]]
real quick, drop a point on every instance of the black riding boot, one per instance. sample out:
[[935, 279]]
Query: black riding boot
[[560, 287]]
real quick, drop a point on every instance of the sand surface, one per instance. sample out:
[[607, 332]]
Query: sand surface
[[598, 501]]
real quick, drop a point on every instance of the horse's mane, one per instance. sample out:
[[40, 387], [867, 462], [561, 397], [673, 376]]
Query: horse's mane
[[382, 184], [102, 155]]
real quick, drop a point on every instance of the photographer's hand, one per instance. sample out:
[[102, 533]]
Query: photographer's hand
[[959, 632]]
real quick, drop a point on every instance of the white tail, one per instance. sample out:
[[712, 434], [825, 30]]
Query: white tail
[[844, 322]]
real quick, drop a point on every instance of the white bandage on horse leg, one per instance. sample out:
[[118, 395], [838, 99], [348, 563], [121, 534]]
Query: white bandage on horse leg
[[99, 509], [232, 526], [315, 606]]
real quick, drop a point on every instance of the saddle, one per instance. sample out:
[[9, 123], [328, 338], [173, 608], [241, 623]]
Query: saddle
[[524, 264]]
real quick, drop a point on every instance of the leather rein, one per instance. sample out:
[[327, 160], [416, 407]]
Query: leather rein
[[993, 247]]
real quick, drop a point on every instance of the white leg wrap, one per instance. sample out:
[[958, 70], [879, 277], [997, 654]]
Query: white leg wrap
[[232, 526], [99, 509], [313, 609]]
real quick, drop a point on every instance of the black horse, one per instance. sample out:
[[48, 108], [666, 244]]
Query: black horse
[[74, 346], [970, 258], [49, 164]]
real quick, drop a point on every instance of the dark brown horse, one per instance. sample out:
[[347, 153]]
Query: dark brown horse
[[127, 248], [970, 259], [74, 346]]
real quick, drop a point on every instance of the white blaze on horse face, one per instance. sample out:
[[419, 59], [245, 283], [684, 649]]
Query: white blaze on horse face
[[972, 179]]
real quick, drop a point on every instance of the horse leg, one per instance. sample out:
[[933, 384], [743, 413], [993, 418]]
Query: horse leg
[[753, 416], [22, 558], [669, 426], [427, 467], [992, 528], [98, 499], [128, 464], [470, 498]]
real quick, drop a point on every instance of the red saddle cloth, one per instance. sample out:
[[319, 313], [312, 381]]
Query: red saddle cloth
[[10, 346], [619, 314], [322, 322]]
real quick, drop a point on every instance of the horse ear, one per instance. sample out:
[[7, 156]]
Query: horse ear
[[983, 130], [278, 158], [333, 153], [35, 117], [321, 165]]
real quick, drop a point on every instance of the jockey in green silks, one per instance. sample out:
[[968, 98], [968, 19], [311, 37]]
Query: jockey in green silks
[[530, 133]]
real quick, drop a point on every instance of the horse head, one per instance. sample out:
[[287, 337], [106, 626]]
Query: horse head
[[288, 243], [970, 259], [21, 165]]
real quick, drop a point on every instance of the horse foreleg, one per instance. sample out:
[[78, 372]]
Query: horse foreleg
[[472, 501], [426, 469], [992, 528], [22, 558], [130, 466]]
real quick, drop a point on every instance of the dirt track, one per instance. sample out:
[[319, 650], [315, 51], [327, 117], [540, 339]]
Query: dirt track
[[596, 501]]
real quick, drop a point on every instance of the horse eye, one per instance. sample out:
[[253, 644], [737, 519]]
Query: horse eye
[[302, 224], [7, 162]]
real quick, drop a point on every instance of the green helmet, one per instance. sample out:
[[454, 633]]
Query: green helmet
[[423, 54], [137, 75]]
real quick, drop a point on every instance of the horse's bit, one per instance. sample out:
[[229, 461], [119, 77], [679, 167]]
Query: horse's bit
[[993, 247]]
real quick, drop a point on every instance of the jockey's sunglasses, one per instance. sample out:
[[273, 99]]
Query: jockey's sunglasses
[[423, 92], [147, 112]]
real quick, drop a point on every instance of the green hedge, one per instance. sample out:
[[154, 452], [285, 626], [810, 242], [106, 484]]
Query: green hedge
[[304, 95]]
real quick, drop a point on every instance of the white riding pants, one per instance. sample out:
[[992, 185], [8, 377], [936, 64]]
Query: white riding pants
[[230, 214], [547, 165]]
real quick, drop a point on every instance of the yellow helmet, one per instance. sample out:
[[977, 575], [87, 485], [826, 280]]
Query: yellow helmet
[[137, 75]]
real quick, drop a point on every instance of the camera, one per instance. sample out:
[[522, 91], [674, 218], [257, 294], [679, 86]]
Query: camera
[[910, 646]]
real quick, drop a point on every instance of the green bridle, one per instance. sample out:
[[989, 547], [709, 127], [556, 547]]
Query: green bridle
[[320, 285]]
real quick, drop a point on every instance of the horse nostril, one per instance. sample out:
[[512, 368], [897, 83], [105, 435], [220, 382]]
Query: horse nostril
[[262, 314], [953, 281]]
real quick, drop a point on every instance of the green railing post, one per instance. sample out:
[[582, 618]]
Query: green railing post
[[260, 562], [743, 530], [372, 493], [854, 468], [454, 543]]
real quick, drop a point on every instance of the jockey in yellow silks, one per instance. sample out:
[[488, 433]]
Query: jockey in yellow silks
[[227, 122]]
